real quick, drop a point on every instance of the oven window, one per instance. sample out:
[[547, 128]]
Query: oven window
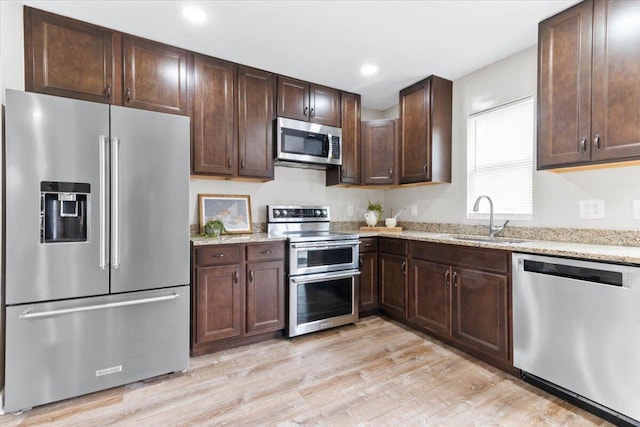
[[323, 300], [324, 257], [299, 142]]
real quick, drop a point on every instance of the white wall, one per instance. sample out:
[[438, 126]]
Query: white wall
[[291, 186], [555, 196]]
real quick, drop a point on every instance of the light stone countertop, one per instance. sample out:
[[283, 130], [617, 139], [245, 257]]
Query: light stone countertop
[[620, 254]]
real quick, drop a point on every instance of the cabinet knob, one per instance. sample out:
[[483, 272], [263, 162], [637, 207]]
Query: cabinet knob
[[583, 145], [391, 172], [251, 275], [424, 169], [455, 279], [108, 91], [313, 112], [404, 267], [129, 95], [447, 277], [236, 277], [266, 251], [596, 142], [306, 110], [218, 255]]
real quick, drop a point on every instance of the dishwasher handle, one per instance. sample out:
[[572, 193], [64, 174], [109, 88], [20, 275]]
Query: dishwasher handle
[[605, 277]]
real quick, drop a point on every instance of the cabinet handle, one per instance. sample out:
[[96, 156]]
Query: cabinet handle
[[404, 267], [583, 145], [312, 113], [361, 261], [218, 255], [241, 163], [344, 175], [229, 162], [108, 91], [391, 172], [455, 279], [266, 251], [424, 169], [251, 275], [596, 142], [236, 277], [368, 245], [447, 278], [129, 95], [306, 109]]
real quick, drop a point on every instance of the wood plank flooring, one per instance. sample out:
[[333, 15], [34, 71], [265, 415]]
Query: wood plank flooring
[[374, 373]]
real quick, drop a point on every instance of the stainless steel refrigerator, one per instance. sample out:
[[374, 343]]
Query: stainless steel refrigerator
[[96, 255]]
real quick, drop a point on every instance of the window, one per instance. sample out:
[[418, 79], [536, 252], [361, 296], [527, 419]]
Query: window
[[500, 160]]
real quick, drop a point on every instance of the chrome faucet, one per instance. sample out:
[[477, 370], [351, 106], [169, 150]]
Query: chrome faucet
[[493, 230]]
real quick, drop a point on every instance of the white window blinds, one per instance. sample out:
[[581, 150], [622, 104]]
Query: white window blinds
[[500, 160]]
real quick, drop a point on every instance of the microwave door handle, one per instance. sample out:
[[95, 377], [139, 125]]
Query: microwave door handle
[[330, 151]]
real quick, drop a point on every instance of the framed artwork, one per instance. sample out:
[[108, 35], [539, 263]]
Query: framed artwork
[[232, 210]]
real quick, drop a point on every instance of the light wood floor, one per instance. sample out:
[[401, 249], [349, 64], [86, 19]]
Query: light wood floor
[[374, 373]]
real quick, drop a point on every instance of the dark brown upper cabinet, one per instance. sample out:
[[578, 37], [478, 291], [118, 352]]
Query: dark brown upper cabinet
[[425, 131], [214, 139], [349, 172], [378, 152], [155, 76], [70, 58], [588, 86], [233, 120], [305, 101]]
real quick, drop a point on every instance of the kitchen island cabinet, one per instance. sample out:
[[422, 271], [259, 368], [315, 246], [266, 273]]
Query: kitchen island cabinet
[[308, 102], [237, 295], [589, 86]]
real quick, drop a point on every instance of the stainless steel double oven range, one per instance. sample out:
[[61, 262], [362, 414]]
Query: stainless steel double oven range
[[323, 268]]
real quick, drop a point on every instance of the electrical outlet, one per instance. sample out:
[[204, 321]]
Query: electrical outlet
[[636, 210], [414, 210], [592, 209], [350, 210]]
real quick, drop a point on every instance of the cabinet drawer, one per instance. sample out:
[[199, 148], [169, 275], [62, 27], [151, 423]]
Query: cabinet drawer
[[265, 251], [462, 256], [218, 255], [369, 244], [393, 246]]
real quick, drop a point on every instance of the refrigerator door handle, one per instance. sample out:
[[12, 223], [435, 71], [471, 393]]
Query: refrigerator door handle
[[27, 314], [103, 202], [115, 203]]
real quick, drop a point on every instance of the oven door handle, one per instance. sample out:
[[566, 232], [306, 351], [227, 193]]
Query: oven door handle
[[324, 276], [322, 245]]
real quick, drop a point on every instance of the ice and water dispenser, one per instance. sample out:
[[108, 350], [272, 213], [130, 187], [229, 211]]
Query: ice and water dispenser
[[63, 211]]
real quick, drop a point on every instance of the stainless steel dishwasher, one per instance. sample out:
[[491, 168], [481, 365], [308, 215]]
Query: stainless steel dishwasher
[[576, 329]]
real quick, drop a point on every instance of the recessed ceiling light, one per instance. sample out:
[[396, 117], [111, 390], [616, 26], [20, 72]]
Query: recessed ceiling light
[[194, 14], [368, 69]]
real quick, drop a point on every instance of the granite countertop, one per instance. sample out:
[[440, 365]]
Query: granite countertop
[[622, 254]]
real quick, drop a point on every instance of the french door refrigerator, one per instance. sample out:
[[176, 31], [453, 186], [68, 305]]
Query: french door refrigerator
[[96, 255]]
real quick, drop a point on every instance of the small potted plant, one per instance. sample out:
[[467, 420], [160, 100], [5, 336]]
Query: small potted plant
[[374, 213], [213, 228]]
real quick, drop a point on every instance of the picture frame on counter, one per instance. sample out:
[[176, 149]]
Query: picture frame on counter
[[234, 211]]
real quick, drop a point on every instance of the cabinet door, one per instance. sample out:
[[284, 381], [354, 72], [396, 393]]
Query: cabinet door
[[393, 284], [218, 303], [69, 58], [615, 121], [368, 281], [378, 151], [350, 169], [214, 117], [480, 311], [325, 105], [564, 87], [155, 76], [256, 98], [415, 133], [265, 296], [293, 98], [429, 300]]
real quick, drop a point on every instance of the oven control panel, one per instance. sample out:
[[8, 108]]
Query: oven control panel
[[298, 213]]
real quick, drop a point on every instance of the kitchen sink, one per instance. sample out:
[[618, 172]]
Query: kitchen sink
[[486, 239]]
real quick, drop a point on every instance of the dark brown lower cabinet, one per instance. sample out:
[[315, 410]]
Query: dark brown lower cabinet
[[368, 277], [392, 261], [461, 295], [237, 295]]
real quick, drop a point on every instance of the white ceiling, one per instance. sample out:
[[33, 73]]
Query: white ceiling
[[326, 42]]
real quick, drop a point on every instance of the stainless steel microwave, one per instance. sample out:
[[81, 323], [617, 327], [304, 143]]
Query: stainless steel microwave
[[303, 143]]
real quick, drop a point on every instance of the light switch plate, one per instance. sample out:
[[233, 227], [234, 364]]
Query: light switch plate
[[350, 210], [636, 209], [414, 210], [592, 209]]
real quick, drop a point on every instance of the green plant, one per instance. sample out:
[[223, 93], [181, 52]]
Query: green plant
[[214, 227], [377, 206]]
